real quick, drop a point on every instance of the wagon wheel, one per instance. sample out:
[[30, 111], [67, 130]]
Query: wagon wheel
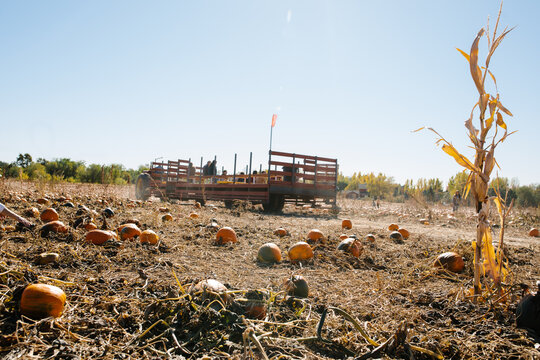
[[275, 203], [142, 186]]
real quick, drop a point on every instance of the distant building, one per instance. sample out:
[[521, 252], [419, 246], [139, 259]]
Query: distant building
[[359, 192]]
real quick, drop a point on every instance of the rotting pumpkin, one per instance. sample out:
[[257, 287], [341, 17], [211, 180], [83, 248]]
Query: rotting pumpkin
[[351, 246], [450, 261], [40, 301]]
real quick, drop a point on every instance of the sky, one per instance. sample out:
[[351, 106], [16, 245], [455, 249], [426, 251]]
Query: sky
[[129, 82]]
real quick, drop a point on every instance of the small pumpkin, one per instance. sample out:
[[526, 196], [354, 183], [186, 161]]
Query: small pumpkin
[[90, 226], [297, 286], [149, 236], [33, 212], [166, 217], [129, 231], [47, 258], [42, 201], [352, 246], [225, 235], [346, 224], [301, 251], [450, 261], [40, 301], [396, 235], [108, 212], [370, 238], [164, 209], [315, 235], [534, 232], [424, 221], [343, 236], [269, 253], [98, 237], [193, 215], [49, 215], [255, 306], [210, 286], [393, 227], [281, 232], [53, 226], [404, 232], [197, 205]]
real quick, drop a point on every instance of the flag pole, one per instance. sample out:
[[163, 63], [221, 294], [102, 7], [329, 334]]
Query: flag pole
[[271, 130]]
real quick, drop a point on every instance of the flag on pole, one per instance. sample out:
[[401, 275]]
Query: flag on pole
[[274, 118]]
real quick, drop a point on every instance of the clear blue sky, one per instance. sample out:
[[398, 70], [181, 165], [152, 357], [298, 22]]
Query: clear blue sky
[[130, 81]]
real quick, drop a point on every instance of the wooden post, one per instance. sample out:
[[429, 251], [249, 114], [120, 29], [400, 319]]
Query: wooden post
[[250, 157], [234, 170]]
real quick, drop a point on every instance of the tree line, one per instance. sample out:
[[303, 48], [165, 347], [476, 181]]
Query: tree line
[[25, 168], [433, 190]]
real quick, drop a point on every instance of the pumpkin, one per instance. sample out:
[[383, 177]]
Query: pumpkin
[[343, 236], [255, 307], [450, 261], [534, 232], [393, 227], [149, 236], [47, 258], [133, 221], [352, 246], [281, 232], [197, 205], [193, 215], [90, 226], [42, 201], [210, 285], [164, 209], [40, 301], [404, 233], [423, 221], [315, 235], [98, 237], [297, 286], [108, 213], [129, 231], [225, 235], [396, 235], [301, 251], [269, 253], [33, 212], [370, 238], [49, 215], [166, 217], [346, 224], [53, 226]]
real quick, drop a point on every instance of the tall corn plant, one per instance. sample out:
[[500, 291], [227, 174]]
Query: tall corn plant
[[492, 132]]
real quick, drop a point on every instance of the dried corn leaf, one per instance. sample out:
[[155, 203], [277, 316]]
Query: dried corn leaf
[[476, 73], [500, 121], [503, 109], [464, 54], [497, 202], [489, 122], [417, 130], [460, 159]]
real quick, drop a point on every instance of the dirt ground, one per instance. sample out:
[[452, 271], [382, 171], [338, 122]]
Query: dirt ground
[[131, 301]]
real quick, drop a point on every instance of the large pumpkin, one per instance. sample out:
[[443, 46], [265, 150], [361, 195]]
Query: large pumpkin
[[225, 235], [49, 215], [149, 236], [346, 224], [39, 301], [98, 237], [53, 226], [301, 251], [269, 253], [129, 231], [352, 246], [534, 232], [450, 261]]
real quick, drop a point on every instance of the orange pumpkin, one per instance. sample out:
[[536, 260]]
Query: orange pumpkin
[[450, 261], [301, 251], [164, 209], [370, 238], [149, 236], [166, 217], [352, 246], [40, 301], [129, 231], [534, 232], [281, 232], [90, 226], [225, 235], [269, 253], [47, 258], [404, 233], [197, 205], [297, 286], [98, 237], [193, 215], [33, 212], [393, 227], [42, 201], [346, 224], [343, 236], [49, 215], [315, 235], [53, 226], [256, 309]]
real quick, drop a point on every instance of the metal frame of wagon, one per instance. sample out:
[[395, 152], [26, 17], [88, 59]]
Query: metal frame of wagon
[[297, 178]]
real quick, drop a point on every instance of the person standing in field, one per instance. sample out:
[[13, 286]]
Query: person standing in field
[[5, 212], [455, 201]]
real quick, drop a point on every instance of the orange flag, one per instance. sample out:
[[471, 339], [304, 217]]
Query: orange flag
[[274, 118]]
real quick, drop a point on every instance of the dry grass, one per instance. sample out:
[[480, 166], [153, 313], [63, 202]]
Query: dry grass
[[124, 302]]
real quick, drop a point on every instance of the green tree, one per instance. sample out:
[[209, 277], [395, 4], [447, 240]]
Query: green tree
[[23, 160]]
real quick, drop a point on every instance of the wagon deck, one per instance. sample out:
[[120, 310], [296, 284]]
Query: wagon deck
[[290, 177]]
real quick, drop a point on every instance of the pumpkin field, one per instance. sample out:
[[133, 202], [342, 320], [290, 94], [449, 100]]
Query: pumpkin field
[[356, 289]]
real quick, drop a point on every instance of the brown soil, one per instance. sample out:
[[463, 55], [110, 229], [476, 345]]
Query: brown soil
[[123, 301]]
